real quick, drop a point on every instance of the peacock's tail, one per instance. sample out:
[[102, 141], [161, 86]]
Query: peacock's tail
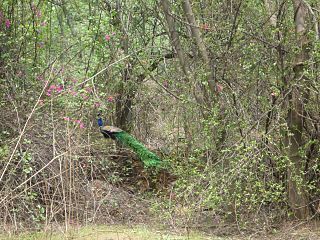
[[148, 158]]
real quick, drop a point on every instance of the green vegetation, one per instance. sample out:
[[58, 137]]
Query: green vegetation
[[111, 232], [226, 93]]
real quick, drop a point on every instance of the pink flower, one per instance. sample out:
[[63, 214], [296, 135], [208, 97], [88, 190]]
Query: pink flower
[[33, 6], [59, 89], [40, 77], [9, 97], [7, 22], [73, 93], [77, 121], [107, 37], [110, 99], [205, 26], [113, 33], [66, 118], [38, 13], [219, 87], [84, 97], [88, 90], [49, 93], [52, 87], [81, 125], [97, 104]]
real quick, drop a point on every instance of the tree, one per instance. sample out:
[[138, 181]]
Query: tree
[[296, 116]]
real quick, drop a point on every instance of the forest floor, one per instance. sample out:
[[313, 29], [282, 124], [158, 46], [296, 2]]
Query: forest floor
[[149, 233]]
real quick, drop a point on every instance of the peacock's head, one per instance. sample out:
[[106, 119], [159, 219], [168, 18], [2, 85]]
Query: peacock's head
[[100, 121], [107, 131]]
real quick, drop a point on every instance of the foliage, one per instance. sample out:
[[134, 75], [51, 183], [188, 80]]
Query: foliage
[[231, 151]]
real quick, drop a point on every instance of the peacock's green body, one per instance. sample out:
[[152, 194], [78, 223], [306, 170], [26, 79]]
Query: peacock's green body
[[148, 158]]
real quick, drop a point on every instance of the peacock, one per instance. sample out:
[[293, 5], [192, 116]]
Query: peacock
[[148, 158]]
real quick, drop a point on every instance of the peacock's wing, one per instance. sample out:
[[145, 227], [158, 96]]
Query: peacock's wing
[[111, 129]]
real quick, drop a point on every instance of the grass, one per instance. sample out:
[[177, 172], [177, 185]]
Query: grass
[[107, 233], [104, 232]]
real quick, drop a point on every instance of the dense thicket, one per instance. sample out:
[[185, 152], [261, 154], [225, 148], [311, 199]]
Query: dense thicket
[[226, 91]]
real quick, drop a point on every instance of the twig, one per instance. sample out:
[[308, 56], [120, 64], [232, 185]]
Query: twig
[[25, 126], [314, 18], [35, 174]]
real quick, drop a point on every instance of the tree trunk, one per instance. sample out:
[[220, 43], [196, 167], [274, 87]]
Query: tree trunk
[[175, 41], [125, 96], [296, 190], [174, 36], [199, 42]]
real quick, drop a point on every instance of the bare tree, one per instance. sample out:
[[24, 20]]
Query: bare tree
[[199, 42], [174, 36], [296, 116]]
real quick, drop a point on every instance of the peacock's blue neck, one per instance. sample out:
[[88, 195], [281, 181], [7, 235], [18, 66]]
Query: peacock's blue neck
[[100, 122]]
